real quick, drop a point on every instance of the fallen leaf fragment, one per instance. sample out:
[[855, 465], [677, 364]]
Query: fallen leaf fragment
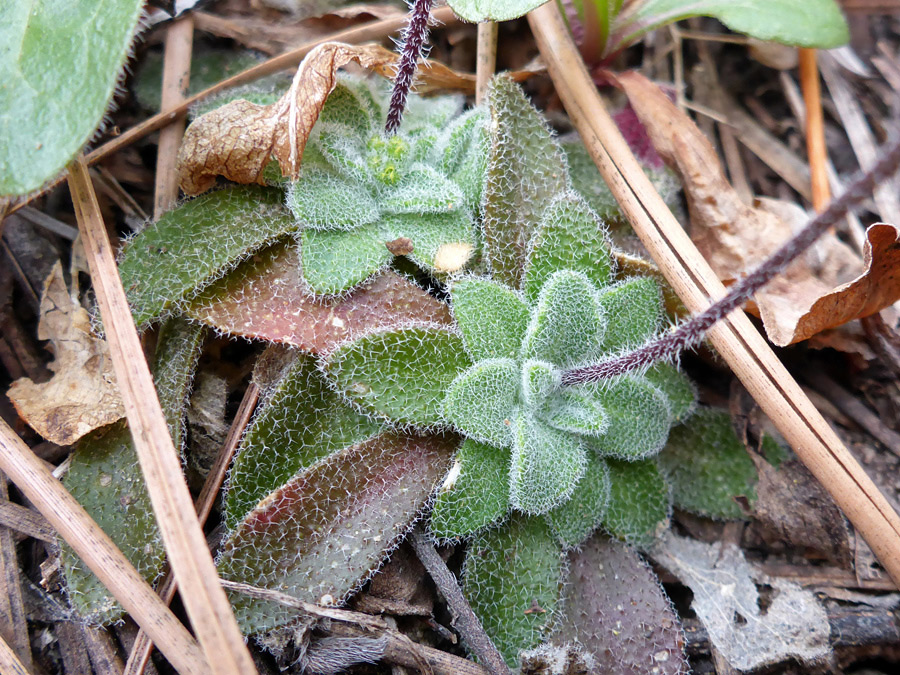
[[735, 237], [238, 139], [726, 600], [83, 394], [266, 298]]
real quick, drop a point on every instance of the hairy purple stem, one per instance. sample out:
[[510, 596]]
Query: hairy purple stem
[[691, 331], [414, 36]]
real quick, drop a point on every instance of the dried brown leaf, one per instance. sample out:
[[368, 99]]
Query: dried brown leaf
[[735, 237], [83, 394], [238, 139], [266, 298]]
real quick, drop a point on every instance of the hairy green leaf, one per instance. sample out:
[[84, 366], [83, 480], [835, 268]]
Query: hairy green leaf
[[512, 578], [320, 535], [463, 150], [475, 492], [301, 422], [480, 401], [708, 466], [633, 314], [677, 387], [400, 375], [491, 318], [336, 261], [569, 237], [323, 201], [639, 502], [577, 410], [546, 465], [539, 380], [573, 521], [639, 418], [59, 63], [476, 11], [195, 243], [422, 190], [525, 171]]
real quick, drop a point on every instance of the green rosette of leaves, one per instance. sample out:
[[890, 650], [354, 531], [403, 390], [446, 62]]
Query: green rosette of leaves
[[363, 197]]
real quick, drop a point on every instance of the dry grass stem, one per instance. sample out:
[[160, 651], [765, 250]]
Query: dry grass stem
[[815, 129], [9, 662], [206, 604], [485, 58], [13, 617], [739, 343], [99, 553]]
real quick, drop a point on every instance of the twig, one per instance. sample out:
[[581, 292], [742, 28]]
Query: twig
[[13, 621], [9, 662], [815, 128], [206, 604], [485, 58], [99, 553], [465, 620], [375, 30], [739, 343], [143, 645], [414, 36], [176, 77]]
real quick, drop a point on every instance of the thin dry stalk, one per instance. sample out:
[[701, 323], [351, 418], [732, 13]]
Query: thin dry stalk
[[99, 553], [739, 343], [206, 604], [176, 78], [13, 619], [9, 662], [375, 30], [815, 129], [143, 645], [485, 58]]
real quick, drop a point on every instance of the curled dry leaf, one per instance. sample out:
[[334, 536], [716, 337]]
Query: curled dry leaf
[[735, 237], [238, 139], [83, 394], [266, 298]]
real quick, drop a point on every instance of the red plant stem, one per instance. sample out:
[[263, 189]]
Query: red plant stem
[[691, 331], [414, 36]]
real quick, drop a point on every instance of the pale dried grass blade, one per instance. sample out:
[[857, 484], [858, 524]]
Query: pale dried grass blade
[[485, 59], [9, 662], [206, 603], [735, 338]]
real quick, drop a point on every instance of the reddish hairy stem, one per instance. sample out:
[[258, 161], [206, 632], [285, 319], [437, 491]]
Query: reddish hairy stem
[[414, 36], [691, 331]]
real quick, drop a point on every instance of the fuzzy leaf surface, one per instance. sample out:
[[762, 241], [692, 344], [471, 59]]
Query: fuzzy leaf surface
[[464, 154], [803, 23], [265, 298], [576, 410], [639, 502], [633, 314], [323, 201], [546, 465], [639, 418], [574, 521], [335, 261], [491, 318], [525, 170], [677, 387], [708, 466], [106, 479], [302, 422], [618, 612], [571, 237], [326, 530], [400, 375], [475, 492], [476, 11], [511, 578], [195, 243], [480, 401], [59, 64]]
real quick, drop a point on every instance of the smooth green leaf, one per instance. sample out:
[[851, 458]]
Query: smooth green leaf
[[639, 418], [491, 318], [577, 410], [567, 323], [323, 201], [479, 403], [573, 521], [803, 23], [475, 492], [571, 237], [546, 465], [525, 171], [476, 11], [302, 421], [708, 466], [319, 536], [639, 502], [335, 261], [633, 314], [400, 375], [511, 579], [59, 65], [197, 242], [677, 387]]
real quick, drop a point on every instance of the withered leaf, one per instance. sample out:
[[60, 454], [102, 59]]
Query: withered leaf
[[734, 237], [238, 139], [266, 298], [83, 394]]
